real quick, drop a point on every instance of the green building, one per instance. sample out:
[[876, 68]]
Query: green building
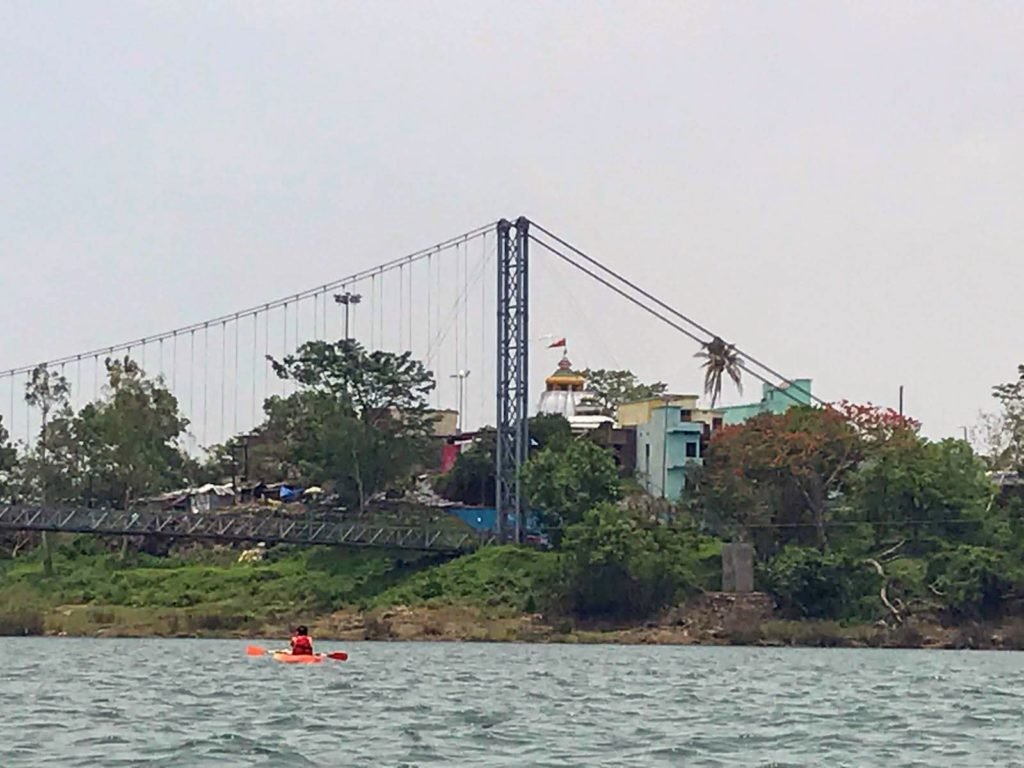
[[774, 399]]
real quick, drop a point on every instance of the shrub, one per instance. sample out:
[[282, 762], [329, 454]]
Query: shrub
[[973, 581], [816, 585]]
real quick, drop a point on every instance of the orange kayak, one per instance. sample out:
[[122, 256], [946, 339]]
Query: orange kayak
[[289, 658]]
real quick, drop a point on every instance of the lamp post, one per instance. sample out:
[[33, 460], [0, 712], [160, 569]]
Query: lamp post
[[347, 299], [461, 376]]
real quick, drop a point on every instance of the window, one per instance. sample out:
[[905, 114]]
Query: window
[[685, 415], [691, 450], [716, 423], [647, 458]]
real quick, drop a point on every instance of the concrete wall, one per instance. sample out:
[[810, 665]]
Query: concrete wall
[[737, 568]]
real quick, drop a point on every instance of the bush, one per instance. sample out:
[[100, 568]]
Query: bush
[[974, 581], [618, 566], [816, 585], [21, 611]]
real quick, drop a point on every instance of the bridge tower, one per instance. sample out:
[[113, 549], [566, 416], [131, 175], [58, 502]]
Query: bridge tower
[[513, 435]]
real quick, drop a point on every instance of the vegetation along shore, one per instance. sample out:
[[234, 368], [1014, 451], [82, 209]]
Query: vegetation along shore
[[863, 532]]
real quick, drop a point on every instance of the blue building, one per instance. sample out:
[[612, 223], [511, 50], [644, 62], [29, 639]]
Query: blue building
[[774, 399], [666, 444]]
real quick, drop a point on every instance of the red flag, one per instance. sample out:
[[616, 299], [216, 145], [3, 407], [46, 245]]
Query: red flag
[[559, 343]]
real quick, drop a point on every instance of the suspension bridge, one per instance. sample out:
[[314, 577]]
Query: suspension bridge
[[461, 306]]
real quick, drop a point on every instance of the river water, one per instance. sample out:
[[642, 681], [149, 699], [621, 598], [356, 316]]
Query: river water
[[69, 702]]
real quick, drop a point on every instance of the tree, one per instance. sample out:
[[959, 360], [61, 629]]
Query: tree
[[564, 484], [378, 388], [8, 463], [471, 480], [612, 388], [549, 430], [617, 565], [1005, 430], [810, 584], [130, 438], [910, 486], [720, 360], [47, 393], [781, 469], [360, 419]]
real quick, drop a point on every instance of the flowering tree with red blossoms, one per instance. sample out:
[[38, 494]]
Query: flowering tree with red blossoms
[[775, 472]]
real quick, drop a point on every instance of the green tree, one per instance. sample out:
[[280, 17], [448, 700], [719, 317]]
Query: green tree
[[361, 419], [8, 463], [48, 393], [471, 480], [130, 438], [974, 582], [720, 360], [612, 388], [565, 484], [810, 584], [1005, 429], [912, 487], [617, 565], [549, 430]]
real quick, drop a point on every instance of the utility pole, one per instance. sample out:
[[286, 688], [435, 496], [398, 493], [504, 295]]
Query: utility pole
[[461, 376], [347, 300], [901, 399]]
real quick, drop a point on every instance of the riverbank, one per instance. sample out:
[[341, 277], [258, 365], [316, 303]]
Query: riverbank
[[499, 594], [712, 619]]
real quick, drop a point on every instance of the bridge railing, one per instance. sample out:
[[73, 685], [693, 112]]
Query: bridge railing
[[221, 526]]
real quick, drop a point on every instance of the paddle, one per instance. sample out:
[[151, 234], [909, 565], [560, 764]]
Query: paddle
[[255, 650]]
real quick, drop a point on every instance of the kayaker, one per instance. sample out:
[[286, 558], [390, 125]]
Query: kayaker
[[302, 645]]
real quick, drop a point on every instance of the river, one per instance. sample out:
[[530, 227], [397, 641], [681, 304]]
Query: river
[[79, 702]]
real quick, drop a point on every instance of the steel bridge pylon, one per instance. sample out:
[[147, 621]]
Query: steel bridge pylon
[[512, 373]]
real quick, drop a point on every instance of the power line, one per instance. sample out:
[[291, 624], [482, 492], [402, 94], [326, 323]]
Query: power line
[[646, 308], [650, 297]]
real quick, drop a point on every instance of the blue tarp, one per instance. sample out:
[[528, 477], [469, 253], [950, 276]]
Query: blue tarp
[[486, 519]]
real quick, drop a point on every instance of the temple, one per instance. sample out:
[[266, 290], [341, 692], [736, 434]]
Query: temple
[[565, 394]]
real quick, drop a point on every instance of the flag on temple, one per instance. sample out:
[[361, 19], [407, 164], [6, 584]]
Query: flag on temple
[[559, 343]]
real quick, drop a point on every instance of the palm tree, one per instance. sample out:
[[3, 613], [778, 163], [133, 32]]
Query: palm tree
[[720, 359]]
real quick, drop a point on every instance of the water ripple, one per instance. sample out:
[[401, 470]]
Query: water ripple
[[151, 703]]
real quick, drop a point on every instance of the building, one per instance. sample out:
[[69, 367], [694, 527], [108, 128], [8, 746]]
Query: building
[[669, 442], [639, 412], [565, 395], [774, 399]]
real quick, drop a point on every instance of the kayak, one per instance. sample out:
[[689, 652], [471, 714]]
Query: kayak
[[290, 658], [286, 657]]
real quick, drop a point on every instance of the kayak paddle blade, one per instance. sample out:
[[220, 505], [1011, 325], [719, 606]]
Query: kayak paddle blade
[[338, 656], [254, 650]]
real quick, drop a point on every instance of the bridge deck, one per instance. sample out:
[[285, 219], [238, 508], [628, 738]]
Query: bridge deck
[[225, 526]]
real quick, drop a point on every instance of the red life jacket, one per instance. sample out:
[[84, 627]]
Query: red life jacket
[[302, 646]]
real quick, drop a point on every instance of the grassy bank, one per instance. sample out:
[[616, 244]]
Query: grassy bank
[[496, 594], [205, 591]]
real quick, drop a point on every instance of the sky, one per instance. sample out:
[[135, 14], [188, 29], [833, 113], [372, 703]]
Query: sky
[[838, 188]]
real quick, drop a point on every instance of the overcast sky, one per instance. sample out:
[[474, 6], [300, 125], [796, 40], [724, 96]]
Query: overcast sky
[[836, 187]]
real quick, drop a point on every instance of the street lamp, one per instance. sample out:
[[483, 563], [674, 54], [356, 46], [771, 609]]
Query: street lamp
[[347, 299], [461, 376]]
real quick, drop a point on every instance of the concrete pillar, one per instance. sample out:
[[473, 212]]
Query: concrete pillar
[[737, 567]]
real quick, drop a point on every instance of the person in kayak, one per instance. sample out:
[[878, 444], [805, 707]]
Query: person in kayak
[[302, 645]]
